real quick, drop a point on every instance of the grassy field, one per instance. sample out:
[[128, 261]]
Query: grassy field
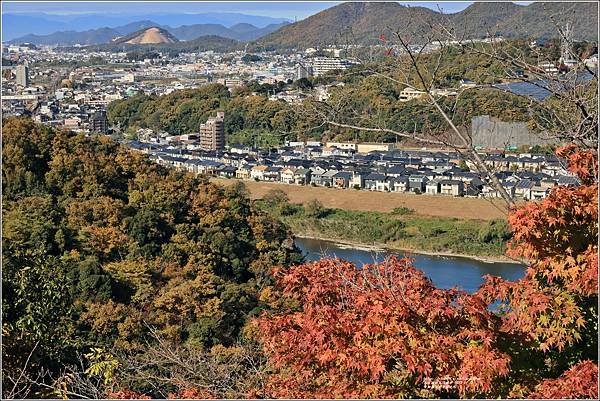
[[367, 201]]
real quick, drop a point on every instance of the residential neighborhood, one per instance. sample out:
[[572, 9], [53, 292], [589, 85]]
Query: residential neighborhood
[[429, 172]]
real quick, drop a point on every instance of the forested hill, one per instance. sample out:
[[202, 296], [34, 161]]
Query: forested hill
[[102, 247], [364, 23], [254, 119]]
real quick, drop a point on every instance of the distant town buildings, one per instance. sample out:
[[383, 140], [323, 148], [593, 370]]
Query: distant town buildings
[[231, 82], [212, 133], [352, 165], [409, 93], [592, 61], [549, 68]]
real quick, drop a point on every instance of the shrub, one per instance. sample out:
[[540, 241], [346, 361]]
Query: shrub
[[494, 230], [289, 209], [402, 210], [276, 197], [315, 208]]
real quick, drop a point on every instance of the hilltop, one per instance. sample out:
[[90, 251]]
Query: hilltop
[[200, 44], [364, 23], [152, 35]]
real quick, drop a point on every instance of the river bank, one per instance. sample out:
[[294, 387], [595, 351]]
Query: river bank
[[378, 247], [401, 229], [408, 233]]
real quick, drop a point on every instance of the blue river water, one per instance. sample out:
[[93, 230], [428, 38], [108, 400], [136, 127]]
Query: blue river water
[[445, 272]]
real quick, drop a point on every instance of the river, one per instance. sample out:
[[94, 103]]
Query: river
[[445, 272]]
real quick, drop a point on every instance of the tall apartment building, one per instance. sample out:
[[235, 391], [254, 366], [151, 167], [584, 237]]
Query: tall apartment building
[[303, 71], [99, 122], [321, 65], [23, 75], [212, 133]]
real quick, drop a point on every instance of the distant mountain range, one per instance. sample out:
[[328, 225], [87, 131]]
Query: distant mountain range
[[364, 23], [239, 32], [15, 26], [356, 23], [242, 32]]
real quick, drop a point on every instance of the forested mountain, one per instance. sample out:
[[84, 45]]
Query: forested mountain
[[363, 23], [360, 22], [532, 21]]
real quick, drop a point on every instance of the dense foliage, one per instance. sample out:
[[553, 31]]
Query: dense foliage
[[100, 245], [181, 112]]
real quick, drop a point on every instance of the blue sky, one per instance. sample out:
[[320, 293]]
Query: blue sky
[[299, 9]]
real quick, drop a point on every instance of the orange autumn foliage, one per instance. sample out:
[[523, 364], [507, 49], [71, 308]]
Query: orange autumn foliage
[[383, 331], [559, 238], [192, 394], [581, 381]]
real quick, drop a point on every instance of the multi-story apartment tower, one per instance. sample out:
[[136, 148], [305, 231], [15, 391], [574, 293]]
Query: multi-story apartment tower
[[99, 122], [212, 133], [303, 71], [23, 75]]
